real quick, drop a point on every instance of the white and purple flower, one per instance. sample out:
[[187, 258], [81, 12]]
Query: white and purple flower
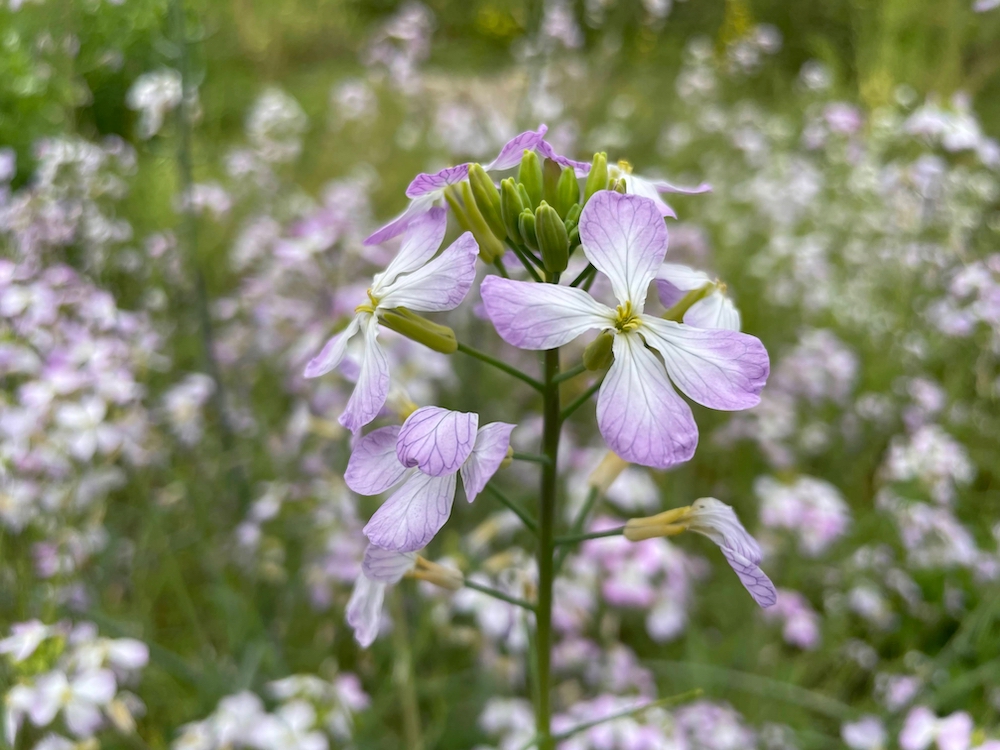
[[639, 413], [713, 310]]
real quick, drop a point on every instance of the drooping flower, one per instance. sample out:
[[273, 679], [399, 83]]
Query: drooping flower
[[713, 310], [421, 460], [648, 188], [409, 281], [639, 413]]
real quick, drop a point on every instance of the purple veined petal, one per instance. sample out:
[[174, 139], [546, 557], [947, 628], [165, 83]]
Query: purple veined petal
[[639, 414], [333, 351], [418, 207], [409, 519], [386, 565], [582, 168], [424, 235], [541, 316], [752, 577], [673, 281], [440, 285], [510, 155], [667, 187], [437, 441], [373, 467], [714, 311], [426, 183], [364, 609], [719, 522], [625, 238], [372, 388], [635, 185], [491, 447], [83, 719], [720, 369]]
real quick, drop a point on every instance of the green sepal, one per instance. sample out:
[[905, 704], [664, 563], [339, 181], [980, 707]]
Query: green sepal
[[597, 178], [511, 207], [567, 192], [530, 176], [553, 242], [599, 353], [526, 225], [487, 199], [416, 328]]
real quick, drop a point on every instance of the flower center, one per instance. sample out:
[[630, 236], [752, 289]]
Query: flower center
[[368, 307], [625, 167], [626, 319]]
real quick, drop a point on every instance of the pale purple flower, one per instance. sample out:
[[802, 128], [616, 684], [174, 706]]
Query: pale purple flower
[[811, 508], [923, 728], [714, 310], [867, 733], [801, 626], [651, 188], [411, 280], [155, 94], [639, 413], [421, 460], [25, 637]]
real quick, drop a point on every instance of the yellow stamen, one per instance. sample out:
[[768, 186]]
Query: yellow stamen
[[624, 166], [625, 318], [369, 306]]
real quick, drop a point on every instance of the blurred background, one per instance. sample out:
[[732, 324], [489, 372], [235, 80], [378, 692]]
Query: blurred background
[[184, 187]]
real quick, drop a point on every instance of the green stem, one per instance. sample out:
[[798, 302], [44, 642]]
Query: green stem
[[500, 595], [583, 275], [662, 703], [514, 507], [512, 371], [501, 268], [569, 374], [534, 458], [580, 400], [578, 523], [403, 673], [520, 253], [574, 538]]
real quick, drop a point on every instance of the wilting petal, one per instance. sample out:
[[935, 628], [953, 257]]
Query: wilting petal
[[644, 188], [625, 238], [333, 351], [424, 236], [491, 447], [410, 518], [719, 369], [639, 414], [667, 187], [436, 440], [418, 207], [510, 154], [718, 521], [540, 316], [441, 284], [364, 610], [372, 387], [386, 565], [673, 281], [582, 168], [752, 577], [425, 183], [714, 311], [373, 467]]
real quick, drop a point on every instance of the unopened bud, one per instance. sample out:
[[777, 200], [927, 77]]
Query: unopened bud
[[669, 523], [606, 472], [567, 192], [599, 355], [573, 214], [432, 335], [677, 312], [508, 459], [525, 198], [551, 172], [597, 179], [490, 248], [574, 236], [511, 207], [530, 175], [526, 225], [620, 186], [439, 575], [487, 199], [553, 241]]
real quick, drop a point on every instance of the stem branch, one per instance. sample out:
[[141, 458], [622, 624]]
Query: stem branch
[[500, 595], [515, 508], [512, 371]]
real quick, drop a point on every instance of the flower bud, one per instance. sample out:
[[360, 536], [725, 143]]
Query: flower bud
[[432, 335], [508, 459], [597, 179], [552, 239], [598, 354], [530, 175], [620, 187], [490, 248], [511, 207], [526, 225], [573, 214], [677, 312], [487, 199], [567, 192], [574, 236], [669, 523], [525, 198], [550, 181]]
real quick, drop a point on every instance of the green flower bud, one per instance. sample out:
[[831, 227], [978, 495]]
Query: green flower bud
[[573, 214], [619, 187], [598, 177], [551, 172], [487, 199], [574, 236], [530, 175], [511, 207], [525, 198], [599, 355], [552, 239], [567, 192], [433, 336], [526, 225], [490, 248]]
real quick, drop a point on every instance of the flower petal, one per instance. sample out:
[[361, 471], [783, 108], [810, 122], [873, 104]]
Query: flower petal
[[639, 414], [674, 280], [426, 183], [386, 565], [372, 387], [416, 512], [719, 522], [668, 187], [439, 285], [752, 577], [625, 238], [333, 351], [582, 168], [436, 440], [98, 686], [364, 609], [373, 467], [491, 447], [644, 188], [510, 154], [720, 369], [418, 207], [540, 316], [715, 311], [424, 236]]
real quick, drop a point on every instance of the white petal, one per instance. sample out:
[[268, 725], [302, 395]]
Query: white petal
[[714, 311], [422, 239], [333, 351], [489, 452], [364, 610], [674, 280], [440, 285], [752, 577], [409, 519], [386, 565], [372, 387], [373, 466], [719, 522]]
